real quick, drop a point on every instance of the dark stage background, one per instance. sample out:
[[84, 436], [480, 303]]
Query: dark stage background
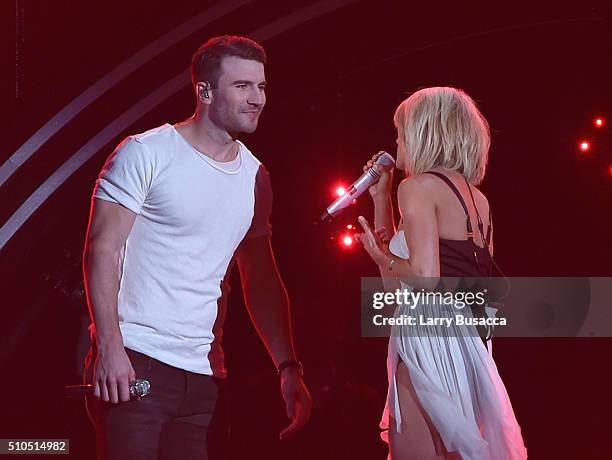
[[540, 71]]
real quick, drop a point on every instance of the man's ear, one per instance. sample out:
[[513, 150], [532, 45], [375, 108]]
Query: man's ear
[[203, 91]]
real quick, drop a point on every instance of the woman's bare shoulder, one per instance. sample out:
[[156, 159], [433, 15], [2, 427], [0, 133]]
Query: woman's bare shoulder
[[425, 188], [418, 184]]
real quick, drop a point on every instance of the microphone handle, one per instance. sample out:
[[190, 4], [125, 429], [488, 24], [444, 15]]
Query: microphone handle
[[138, 389], [365, 181], [355, 190]]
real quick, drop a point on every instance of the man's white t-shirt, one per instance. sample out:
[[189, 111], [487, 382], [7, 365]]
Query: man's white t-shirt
[[191, 214]]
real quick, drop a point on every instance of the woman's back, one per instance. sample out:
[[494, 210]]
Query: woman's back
[[465, 245]]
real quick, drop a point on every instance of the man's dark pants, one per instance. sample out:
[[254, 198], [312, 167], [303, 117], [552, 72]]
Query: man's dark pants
[[183, 417]]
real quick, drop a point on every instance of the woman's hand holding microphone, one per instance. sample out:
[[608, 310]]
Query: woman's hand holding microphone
[[374, 240]]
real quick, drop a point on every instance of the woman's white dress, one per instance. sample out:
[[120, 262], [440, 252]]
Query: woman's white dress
[[457, 385]]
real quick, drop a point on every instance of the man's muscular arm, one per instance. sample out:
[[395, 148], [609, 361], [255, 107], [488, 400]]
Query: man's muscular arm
[[268, 306], [109, 226]]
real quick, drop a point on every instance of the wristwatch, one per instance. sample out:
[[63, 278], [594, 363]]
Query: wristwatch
[[290, 363]]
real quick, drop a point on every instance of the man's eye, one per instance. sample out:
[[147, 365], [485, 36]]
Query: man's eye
[[241, 86], [263, 88]]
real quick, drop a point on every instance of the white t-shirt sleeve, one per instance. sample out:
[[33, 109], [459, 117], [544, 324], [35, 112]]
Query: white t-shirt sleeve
[[260, 225], [126, 176]]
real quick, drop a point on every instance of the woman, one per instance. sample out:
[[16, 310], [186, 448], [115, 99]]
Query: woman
[[446, 399]]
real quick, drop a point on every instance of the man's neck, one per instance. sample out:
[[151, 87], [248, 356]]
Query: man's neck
[[208, 139]]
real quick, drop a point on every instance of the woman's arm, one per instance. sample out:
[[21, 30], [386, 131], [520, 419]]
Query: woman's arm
[[381, 196], [420, 225], [383, 215]]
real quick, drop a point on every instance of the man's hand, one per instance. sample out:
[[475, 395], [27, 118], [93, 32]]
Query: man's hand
[[113, 373], [298, 402]]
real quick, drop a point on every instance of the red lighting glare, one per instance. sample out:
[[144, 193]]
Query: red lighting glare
[[349, 226], [585, 146], [347, 241], [599, 122], [610, 170], [340, 191]]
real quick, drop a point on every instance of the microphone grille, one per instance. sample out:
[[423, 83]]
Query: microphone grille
[[385, 160]]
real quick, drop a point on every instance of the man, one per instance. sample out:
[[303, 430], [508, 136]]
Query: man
[[171, 209]]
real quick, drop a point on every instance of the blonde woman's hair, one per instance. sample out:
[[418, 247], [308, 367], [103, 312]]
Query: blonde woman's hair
[[442, 127]]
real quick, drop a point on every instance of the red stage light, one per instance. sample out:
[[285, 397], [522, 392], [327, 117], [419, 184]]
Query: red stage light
[[340, 191], [347, 241], [599, 122], [610, 170], [585, 146], [349, 226]]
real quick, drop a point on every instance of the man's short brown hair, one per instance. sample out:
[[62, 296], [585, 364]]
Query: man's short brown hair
[[206, 61]]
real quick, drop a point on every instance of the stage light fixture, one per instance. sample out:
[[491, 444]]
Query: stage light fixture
[[584, 146], [347, 241]]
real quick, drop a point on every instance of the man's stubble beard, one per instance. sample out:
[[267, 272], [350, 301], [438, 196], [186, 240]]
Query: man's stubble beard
[[232, 124]]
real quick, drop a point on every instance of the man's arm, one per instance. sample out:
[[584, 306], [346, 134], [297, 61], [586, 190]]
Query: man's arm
[[265, 297], [268, 305], [108, 229]]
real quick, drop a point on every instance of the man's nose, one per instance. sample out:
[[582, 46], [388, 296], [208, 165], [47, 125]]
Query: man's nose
[[257, 98]]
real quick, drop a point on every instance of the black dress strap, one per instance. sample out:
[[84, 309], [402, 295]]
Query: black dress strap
[[490, 225], [470, 233], [486, 239]]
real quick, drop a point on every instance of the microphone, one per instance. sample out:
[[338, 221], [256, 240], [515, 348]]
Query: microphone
[[138, 389], [367, 179]]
